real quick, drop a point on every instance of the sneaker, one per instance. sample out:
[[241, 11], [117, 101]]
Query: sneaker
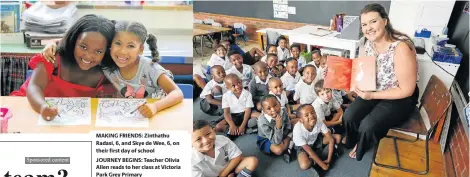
[[287, 156], [251, 130]]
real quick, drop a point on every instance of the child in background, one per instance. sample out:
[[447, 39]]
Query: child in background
[[219, 58], [243, 71], [282, 49], [211, 95], [83, 50], [317, 61], [274, 134], [323, 67], [258, 87], [237, 104], [269, 49], [272, 62], [295, 53], [304, 89], [328, 110], [290, 79], [249, 57], [216, 155], [276, 89], [309, 142]]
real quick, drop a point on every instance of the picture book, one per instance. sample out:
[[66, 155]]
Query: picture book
[[10, 17], [346, 74]]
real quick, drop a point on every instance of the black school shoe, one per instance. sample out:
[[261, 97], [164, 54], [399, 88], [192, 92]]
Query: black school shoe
[[287, 156]]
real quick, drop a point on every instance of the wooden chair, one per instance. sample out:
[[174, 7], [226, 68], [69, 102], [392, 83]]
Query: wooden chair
[[436, 100]]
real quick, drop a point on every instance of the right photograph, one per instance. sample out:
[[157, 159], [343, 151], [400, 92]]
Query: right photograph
[[325, 88]]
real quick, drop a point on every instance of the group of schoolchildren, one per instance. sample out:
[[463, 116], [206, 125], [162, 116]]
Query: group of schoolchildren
[[281, 97]]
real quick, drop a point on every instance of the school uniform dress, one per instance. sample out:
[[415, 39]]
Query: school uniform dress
[[145, 82], [246, 75], [282, 54], [57, 87], [325, 111], [258, 88], [301, 136], [204, 166], [206, 107], [305, 92], [368, 121], [237, 105], [269, 134]]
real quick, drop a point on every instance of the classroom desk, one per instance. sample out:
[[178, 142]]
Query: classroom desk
[[303, 35], [24, 120], [206, 30]]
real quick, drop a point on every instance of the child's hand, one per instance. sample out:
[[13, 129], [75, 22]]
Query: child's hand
[[48, 113], [324, 166], [49, 52], [241, 130], [231, 175], [147, 110], [278, 120], [233, 130], [327, 161]]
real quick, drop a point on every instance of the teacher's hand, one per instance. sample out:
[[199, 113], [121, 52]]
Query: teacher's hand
[[364, 95]]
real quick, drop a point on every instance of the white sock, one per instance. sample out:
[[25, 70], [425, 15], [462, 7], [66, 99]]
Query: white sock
[[291, 144], [290, 135]]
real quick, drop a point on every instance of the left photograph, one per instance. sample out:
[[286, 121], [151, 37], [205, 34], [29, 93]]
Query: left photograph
[[77, 67]]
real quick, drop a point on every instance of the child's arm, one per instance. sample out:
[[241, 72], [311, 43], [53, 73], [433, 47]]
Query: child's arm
[[233, 130], [210, 99], [314, 156], [246, 116], [35, 93], [291, 116], [350, 96], [231, 166], [337, 116], [173, 97], [331, 145], [49, 51]]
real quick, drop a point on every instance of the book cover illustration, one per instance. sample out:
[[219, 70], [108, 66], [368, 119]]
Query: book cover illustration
[[346, 74], [10, 18]]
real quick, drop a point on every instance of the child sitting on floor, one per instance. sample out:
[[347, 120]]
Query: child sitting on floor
[[313, 140], [272, 63], [282, 49], [276, 89], [216, 155], [237, 104], [217, 58], [212, 93], [258, 87], [328, 110], [290, 79], [243, 71], [295, 53], [274, 134], [304, 92], [269, 49]]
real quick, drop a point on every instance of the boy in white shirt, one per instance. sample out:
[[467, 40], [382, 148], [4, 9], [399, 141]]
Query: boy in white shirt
[[317, 61], [216, 155], [328, 110], [309, 142], [282, 49], [275, 88], [219, 58], [272, 62], [211, 95], [243, 71], [290, 79], [295, 53], [304, 92], [271, 48], [237, 104]]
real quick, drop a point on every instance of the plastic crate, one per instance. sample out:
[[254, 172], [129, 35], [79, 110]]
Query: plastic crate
[[424, 33], [447, 55]]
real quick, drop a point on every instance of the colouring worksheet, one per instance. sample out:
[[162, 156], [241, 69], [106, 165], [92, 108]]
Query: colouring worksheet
[[72, 111], [120, 113]]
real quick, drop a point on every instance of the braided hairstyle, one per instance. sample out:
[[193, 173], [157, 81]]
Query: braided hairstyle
[[139, 30]]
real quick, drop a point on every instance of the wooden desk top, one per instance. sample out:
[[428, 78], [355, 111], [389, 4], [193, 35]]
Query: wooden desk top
[[24, 119], [209, 28]]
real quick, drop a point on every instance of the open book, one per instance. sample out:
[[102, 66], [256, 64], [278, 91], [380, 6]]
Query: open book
[[345, 74]]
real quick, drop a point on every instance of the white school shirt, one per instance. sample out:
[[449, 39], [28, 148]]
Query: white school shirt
[[208, 88], [319, 70], [282, 54], [246, 76], [289, 82], [302, 136], [305, 92], [301, 62], [324, 109], [205, 166], [216, 60], [282, 99], [237, 105]]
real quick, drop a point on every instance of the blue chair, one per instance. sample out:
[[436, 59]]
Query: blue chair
[[172, 60], [187, 90], [29, 73]]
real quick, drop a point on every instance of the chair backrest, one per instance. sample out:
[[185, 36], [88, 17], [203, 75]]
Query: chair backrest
[[216, 24], [271, 37], [197, 21], [436, 100], [187, 90]]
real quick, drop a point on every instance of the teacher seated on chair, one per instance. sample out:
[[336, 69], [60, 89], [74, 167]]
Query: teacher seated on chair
[[372, 114]]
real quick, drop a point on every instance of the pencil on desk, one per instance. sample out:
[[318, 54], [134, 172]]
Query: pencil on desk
[[50, 106], [138, 108]]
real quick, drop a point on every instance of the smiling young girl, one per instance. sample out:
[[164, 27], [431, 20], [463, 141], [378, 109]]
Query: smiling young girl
[[76, 71], [135, 76]]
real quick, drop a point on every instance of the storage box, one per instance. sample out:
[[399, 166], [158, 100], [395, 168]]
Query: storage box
[[447, 54]]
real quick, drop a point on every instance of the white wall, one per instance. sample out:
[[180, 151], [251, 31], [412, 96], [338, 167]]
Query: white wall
[[411, 15]]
